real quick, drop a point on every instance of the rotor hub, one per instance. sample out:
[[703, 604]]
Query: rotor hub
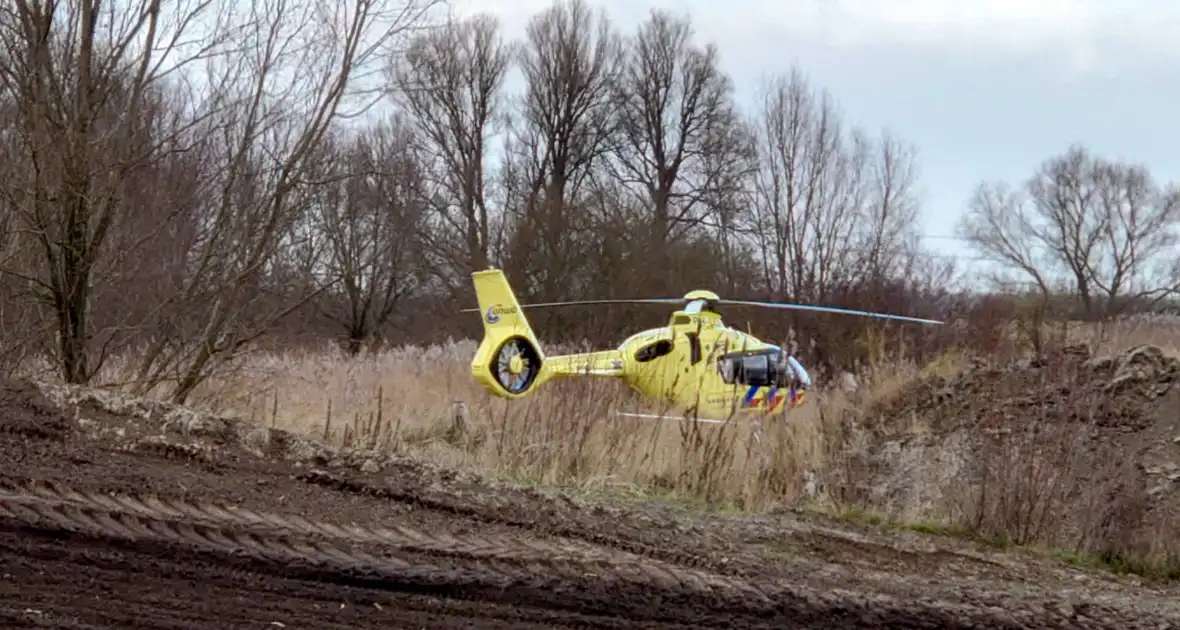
[[701, 294], [516, 364]]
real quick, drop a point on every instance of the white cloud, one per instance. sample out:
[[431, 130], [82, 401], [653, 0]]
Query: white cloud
[[1075, 35]]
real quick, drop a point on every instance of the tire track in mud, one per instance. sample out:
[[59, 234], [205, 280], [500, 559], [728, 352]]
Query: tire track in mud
[[488, 514], [75, 581], [593, 585], [471, 545], [508, 573]]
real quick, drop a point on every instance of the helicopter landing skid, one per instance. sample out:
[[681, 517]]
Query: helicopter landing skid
[[755, 423], [653, 416]]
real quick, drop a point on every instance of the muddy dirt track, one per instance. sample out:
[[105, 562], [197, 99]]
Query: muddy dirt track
[[137, 515]]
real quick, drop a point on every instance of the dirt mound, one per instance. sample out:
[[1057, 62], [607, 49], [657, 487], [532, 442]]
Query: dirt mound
[[1117, 392], [137, 514], [1087, 446]]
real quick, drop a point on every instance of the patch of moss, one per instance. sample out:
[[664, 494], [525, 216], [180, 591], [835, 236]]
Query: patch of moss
[[1164, 570], [1112, 561], [955, 530]]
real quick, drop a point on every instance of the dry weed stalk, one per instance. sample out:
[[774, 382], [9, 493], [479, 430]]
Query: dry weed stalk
[[1028, 472]]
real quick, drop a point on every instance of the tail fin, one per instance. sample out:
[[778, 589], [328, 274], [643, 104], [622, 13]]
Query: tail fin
[[509, 359]]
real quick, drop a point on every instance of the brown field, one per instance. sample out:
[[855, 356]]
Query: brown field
[[314, 491]]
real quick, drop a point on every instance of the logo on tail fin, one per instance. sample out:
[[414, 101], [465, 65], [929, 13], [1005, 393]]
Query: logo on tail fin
[[495, 311]]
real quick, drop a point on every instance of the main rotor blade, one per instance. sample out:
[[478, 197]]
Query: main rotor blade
[[725, 302], [826, 309], [676, 301]]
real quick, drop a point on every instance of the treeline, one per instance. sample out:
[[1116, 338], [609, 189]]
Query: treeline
[[183, 182]]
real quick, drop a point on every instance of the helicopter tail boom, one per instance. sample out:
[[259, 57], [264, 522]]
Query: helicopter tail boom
[[601, 363], [509, 360]]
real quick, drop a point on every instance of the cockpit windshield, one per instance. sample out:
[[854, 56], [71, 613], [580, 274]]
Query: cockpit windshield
[[763, 368]]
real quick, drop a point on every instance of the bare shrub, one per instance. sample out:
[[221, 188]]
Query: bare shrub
[[1027, 472]]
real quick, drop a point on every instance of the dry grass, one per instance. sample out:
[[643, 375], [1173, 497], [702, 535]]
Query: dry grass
[[423, 401], [1118, 336]]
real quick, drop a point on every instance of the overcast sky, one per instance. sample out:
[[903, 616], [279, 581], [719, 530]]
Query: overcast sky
[[982, 88]]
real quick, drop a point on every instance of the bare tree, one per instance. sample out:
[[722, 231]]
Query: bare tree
[[84, 76], [674, 111], [450, 82], [889, 239], [834, 207], [372, 221], [1103, 228], [730, 203], [999, 224], [293, 73], [1138, 261], [564, 126]]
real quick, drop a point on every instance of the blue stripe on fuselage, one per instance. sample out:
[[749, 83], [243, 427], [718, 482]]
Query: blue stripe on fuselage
[[750, 396]]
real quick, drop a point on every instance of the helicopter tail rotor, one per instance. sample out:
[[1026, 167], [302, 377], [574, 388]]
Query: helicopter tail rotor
[[516, 364], [509, 360]]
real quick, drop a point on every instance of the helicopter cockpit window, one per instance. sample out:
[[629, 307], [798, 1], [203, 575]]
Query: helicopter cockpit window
[[760, 368], [653, 351]]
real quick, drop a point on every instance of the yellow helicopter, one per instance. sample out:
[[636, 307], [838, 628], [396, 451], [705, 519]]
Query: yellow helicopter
[[696, 363]]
